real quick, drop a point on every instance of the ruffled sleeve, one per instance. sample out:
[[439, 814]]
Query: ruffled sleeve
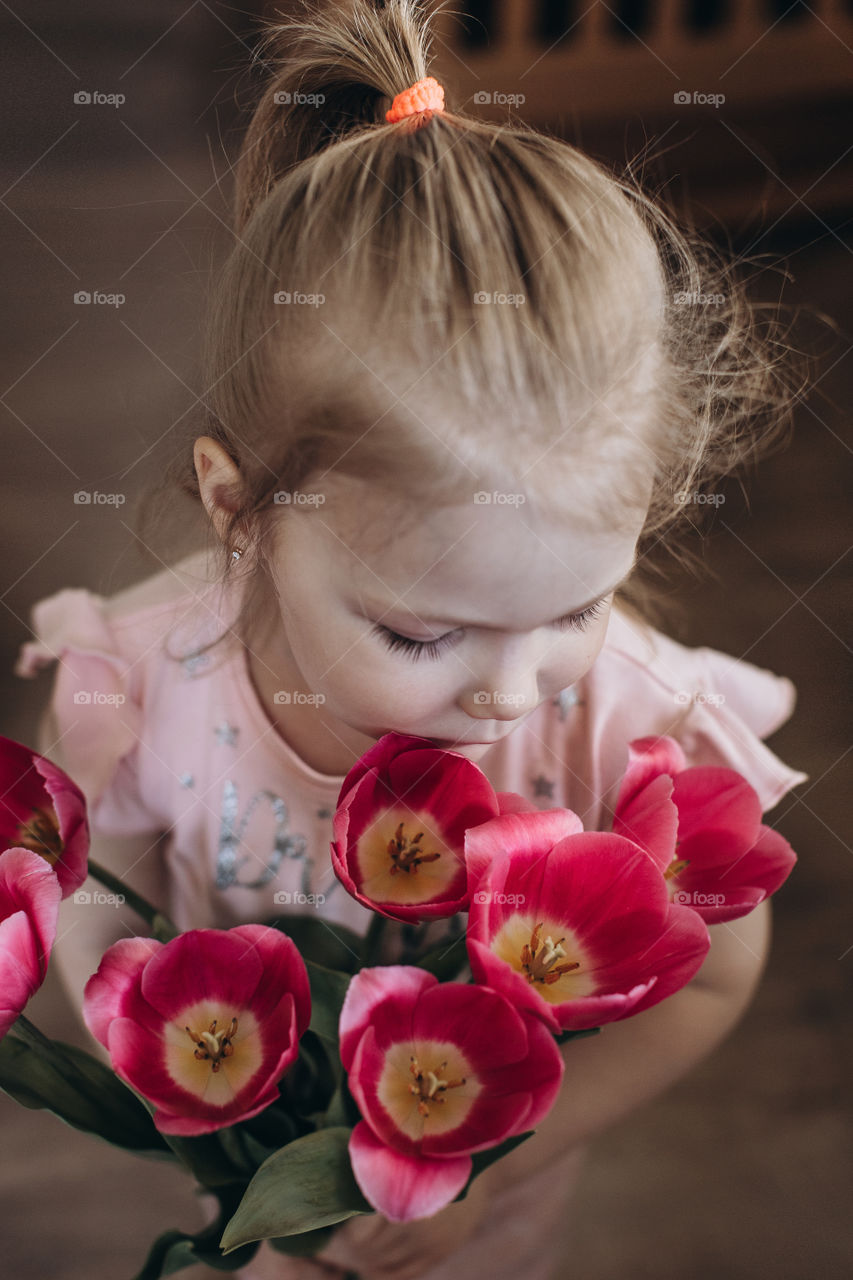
[[96, 700], [719, 708]]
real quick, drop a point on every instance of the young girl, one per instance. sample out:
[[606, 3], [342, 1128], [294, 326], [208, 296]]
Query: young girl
[[455, 399]]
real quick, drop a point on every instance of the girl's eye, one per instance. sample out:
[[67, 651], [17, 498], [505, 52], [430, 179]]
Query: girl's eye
[[416, 649], [580, 621]]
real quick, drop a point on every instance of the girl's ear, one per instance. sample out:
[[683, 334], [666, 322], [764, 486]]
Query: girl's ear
[[218, 481]]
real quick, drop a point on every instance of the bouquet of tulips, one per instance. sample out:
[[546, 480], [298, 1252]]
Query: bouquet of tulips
[[301, 1080]]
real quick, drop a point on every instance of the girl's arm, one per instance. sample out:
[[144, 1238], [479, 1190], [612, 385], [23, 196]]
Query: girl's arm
[[607, 1076], [85, 930], [630, 1062]]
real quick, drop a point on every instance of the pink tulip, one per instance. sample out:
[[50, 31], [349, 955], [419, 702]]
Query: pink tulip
[[29, 910], [400, 825], [43, 810], [724, 861], [205, 1025], [576, 928], [438, 1071]]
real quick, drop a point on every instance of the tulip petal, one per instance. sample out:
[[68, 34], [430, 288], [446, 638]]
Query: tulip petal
[[536, 832], [28, 882], [283, 970], [709, 796], [650, 820], [69, 804], [676, 956], [367, 990], [106, 994], [20, 972], [647, 759], [404, 1187], [489, 970], [208, 961]]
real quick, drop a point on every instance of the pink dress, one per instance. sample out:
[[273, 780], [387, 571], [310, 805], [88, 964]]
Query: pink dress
[[162, 739]]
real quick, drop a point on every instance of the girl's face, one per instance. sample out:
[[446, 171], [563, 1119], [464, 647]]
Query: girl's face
[[454, 626]]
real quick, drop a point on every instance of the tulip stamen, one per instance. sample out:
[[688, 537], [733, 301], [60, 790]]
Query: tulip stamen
[[429, 1087], [406, 855], [540, 961], [41, 835], [213, 1045], [675, 868]]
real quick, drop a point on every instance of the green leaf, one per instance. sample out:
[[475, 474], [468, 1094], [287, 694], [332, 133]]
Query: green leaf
[[304, 1245], [342, 1110], [207, 1160], [331, 945], [446, 961], [481, 1160], [309, 1184], [272, 1128], [174, 1250], [328, 989], [81, 1090]]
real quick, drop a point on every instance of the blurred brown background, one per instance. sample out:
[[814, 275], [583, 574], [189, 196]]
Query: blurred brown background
[[743, 1169]]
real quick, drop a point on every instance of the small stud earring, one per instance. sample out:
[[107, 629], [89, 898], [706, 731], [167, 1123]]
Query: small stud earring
[[235, 555]]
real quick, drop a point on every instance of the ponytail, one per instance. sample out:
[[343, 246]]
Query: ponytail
[[336, 70]]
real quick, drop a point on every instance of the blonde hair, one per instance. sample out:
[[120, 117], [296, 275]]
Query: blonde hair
[[611, 335]]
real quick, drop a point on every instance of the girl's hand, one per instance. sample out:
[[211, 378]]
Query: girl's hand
[[377, 1249]]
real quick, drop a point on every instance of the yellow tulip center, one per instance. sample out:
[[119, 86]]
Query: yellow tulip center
[[429, 1087], [675, 868], [403, 857], [543, 961], [40, 834], [407, 855], [213, 1045]]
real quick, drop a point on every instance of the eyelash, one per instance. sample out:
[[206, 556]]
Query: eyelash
[[416, 649]]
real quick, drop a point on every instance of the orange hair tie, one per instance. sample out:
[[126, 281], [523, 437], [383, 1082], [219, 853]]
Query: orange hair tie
[[423, 95]]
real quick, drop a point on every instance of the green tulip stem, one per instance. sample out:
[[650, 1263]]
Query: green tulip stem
[[373, 940], [48, 1048], [161, 925]]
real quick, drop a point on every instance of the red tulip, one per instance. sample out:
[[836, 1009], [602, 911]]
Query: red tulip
[[29, 910], [43, 810], [724, 861], [400, 825], [205, 1025], [438, 1071], [576, 928]]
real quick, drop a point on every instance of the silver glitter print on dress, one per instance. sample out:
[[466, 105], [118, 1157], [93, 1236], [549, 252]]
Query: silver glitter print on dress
[[229, 862]]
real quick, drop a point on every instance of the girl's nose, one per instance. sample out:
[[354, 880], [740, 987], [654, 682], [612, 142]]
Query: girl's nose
[[508, 692]]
